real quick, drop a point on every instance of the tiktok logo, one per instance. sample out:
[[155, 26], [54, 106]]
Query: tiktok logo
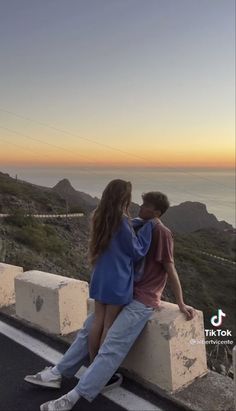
[[216, 320]]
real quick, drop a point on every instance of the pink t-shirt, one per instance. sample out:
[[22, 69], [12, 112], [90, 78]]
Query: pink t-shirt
[[149, 288]]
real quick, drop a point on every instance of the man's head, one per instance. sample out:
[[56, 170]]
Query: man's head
[[154, 205]]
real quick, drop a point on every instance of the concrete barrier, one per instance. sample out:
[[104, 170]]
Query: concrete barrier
[[7, 276], [55, 303], [166, 353], [90, 305]]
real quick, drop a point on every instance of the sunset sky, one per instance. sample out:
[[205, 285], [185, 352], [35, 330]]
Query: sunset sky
[[117, 82]]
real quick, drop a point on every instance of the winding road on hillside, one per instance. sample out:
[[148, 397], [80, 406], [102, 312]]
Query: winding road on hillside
[[69, 215]]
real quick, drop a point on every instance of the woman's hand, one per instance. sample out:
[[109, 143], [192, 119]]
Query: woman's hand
[[189, 311]]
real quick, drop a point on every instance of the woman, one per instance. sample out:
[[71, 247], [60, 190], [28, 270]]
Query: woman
[[114, 247]]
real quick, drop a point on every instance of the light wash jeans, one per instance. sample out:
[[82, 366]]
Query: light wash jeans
[[120, 338]]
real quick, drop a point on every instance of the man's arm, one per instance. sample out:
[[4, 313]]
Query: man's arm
[[177, 290]]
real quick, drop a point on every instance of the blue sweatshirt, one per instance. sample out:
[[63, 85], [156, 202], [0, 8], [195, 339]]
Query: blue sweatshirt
[[113, 275]]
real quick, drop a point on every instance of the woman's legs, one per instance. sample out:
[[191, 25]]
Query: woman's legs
[[111, 312], [96, 330]]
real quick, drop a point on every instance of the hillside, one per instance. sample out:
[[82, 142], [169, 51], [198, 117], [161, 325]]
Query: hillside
[[15, 194], [60, 246], [55, 246], [209, 284]]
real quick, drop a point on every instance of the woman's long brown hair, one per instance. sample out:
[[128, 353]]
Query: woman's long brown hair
[[106, 218]]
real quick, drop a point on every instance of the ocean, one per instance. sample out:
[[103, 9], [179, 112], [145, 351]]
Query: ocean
[[215, 188]]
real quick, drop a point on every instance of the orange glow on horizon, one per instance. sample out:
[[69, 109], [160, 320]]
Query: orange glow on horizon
[[158, 154], [188, 163]]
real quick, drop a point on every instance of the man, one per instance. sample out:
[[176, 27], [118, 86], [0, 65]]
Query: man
[[159, 265]]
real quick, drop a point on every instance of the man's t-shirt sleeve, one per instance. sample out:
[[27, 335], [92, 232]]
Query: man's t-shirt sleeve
[[165, 247]]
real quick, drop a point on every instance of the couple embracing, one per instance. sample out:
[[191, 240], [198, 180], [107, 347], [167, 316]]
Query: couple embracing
[[132, 260]]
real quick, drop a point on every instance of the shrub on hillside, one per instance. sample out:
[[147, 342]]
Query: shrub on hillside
[[20, 219], [27, 259], [9, 187], [40, 238], [75, 209]]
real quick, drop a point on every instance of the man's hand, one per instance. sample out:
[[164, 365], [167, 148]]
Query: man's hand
[[189, 311]]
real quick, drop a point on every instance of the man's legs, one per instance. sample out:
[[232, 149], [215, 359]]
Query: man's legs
[[120, 338], [116, 346]]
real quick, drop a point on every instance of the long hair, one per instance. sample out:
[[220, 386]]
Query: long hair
[[115, 201]]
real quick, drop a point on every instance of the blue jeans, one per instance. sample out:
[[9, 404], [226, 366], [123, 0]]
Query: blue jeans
[[120, 338]]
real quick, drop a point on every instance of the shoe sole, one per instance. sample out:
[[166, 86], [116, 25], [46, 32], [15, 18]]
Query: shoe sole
[[115, 384], [56, 385], [44, 407]]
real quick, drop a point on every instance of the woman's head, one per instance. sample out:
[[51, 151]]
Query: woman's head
[[115, 201], [117, 194]]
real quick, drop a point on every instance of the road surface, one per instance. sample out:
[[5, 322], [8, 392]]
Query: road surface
[[26, 351]]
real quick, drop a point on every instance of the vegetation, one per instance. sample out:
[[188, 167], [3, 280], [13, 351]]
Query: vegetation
[[15, 194], [32, 233], [11, 187], [20, 219], [208, 284], [212, 241], [75, 209], [55, 246]]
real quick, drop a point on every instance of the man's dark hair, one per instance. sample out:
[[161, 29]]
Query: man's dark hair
[[158, 200]]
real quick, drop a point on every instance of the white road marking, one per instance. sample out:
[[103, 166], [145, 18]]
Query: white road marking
[[37, 347], [125, 398], [130, 401], [118, 395]]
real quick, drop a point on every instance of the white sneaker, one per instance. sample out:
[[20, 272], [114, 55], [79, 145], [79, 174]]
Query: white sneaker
[[53, 381], [61, 404]]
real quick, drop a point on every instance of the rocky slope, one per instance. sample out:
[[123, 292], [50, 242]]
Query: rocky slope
[[191, 216], [75, 198], [15, 194]]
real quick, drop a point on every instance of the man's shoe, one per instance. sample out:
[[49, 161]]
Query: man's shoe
[[39, 379], [61, 404], [115, 381]]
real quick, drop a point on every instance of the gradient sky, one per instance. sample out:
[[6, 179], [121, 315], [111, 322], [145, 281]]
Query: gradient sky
[[152, 79]]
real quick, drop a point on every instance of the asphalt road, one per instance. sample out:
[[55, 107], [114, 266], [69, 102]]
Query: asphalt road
[[16, 361], [17, 395]]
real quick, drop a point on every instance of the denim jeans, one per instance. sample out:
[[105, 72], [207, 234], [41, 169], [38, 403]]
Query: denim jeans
[[120, 338]]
